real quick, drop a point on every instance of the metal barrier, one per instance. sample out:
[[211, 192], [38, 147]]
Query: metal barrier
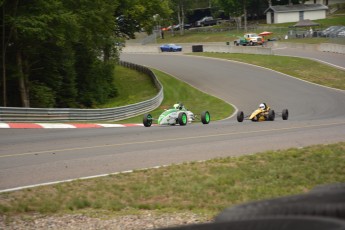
[[18, 114]]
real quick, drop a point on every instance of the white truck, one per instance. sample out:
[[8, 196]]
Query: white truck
[[250, 39], [254, 39]]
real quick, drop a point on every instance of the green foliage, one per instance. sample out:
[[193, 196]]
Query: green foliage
[[66, 48], [45, 38], [41, 96]]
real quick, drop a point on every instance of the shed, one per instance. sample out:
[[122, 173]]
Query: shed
[[295, 13]]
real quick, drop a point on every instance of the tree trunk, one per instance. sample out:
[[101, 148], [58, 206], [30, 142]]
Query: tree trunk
[[182, 20], [245, 15], [24, 94], [23, 82], [179, 14]]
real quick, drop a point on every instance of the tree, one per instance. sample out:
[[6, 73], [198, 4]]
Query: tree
[[135, 15], [180, 7], [237, 9], [45, 42], [30, 26], [62, 53]]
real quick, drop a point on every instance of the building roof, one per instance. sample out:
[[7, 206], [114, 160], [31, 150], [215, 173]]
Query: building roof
[[306, 23], [299, 7]]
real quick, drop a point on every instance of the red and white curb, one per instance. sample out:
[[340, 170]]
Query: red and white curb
[[62, 125]]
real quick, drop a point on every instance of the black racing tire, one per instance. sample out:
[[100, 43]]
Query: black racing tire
[[318, 204], [205, 117], [285, 114], [336, 187], [271, 115], [270, 223], [182, 119], [147, 120], [251, 43], [240, 116]]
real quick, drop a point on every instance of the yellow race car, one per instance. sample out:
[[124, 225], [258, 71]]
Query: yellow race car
[[263, 113]]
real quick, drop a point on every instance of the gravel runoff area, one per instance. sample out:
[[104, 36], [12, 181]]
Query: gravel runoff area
[[145, 220]]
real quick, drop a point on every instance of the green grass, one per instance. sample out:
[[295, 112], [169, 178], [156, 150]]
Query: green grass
[[193, 99], [319, 73], [132, 86], [207, 187]]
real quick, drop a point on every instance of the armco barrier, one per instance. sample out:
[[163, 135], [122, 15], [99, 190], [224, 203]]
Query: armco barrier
[[324, 47], [227, 47], [223, 48], [16, 114], [334, 48], [204, 47]]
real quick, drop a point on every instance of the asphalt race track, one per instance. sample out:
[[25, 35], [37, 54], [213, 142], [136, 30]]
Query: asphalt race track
[[317, 116]]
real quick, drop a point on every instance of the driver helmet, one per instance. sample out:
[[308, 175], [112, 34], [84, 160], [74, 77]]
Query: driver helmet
[[178, 106], [262, 106]]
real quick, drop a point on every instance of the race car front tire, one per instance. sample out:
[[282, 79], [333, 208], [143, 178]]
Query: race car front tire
[[205, 117], [147, 120], [240, 116], [182, 119]]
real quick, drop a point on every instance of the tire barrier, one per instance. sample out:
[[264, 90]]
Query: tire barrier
[[197, 48]]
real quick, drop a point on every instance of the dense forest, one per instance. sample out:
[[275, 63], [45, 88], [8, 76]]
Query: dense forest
[[63, 53]]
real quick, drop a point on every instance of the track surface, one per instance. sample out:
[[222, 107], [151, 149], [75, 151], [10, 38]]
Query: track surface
[[32, 156]]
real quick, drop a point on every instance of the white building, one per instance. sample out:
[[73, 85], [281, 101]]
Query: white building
[[295, 13], [324, 2]]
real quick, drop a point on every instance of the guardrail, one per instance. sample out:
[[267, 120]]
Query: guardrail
[[18, 114]]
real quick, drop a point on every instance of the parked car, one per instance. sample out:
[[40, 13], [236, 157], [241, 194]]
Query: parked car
[[207, 21], [170, 48]]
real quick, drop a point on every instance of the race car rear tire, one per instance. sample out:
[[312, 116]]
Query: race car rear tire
[[285, 114], [182, 119], [147, 120], [271, 115], [205, 117], [240, 116]]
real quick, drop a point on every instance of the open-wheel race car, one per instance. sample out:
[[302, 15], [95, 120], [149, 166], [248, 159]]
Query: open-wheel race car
[[263, 113], [176, 115]]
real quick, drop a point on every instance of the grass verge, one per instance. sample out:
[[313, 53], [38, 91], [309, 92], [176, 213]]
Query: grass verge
[[301, 68], [204, 187], [132, 86]]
